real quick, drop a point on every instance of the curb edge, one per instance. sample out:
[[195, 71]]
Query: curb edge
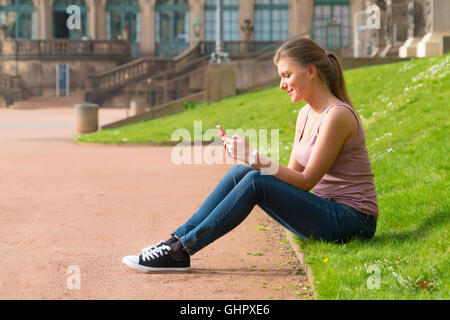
[[301, 258]]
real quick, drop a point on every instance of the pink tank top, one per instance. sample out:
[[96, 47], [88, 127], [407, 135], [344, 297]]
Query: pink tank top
[[350, 179]]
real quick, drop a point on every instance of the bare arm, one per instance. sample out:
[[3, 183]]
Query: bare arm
[[293, 164], [335, 129]]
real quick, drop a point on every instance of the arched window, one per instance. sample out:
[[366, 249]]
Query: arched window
[[123, 22], [60, 16], [17, 19], [171, 27], [230, 20], [271, 20], [331, 12]]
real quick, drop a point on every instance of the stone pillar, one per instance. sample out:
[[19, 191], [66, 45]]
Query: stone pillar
[[409, 48], [137, 107], [196, 20], [438, 27], [86, 118], [46, 19], [355, 6], [246, 12], [300, 15], [92, 7], [101, 19], [220, 81], [37, 19], [377, 36], [388, 29], [147, 9]]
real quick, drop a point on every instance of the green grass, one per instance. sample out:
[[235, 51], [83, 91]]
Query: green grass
[[405, 112]]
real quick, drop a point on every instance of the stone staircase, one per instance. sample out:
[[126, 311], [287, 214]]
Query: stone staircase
[[110, 83]]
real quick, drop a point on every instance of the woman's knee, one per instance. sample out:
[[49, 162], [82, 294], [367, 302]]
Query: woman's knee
[[240, 170]]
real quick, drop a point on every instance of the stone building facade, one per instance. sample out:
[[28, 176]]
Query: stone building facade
[[166, 27]]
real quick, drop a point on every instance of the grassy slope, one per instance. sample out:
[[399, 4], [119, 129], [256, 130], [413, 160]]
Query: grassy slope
[[405, 110]]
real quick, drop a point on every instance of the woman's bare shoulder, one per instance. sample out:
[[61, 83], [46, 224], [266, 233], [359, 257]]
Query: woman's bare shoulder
[[302, 113], [346, 118]]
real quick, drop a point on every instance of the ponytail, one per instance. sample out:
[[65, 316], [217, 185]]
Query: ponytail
[[305, 52], [335, 79]]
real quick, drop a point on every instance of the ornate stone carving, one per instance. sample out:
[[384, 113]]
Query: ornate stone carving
[[411, 23], [428, 16]]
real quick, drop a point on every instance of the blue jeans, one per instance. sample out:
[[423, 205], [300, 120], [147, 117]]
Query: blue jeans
[[303, 213]]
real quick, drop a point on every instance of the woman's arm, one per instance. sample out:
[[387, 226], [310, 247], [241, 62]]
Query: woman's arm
[[337, 126], [293, 164]]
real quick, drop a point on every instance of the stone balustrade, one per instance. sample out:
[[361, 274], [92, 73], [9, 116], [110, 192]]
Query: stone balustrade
[[62, 47], [118, 76], [237, 48]]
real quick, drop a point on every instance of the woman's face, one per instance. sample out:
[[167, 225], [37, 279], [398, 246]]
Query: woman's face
[[295, 79]]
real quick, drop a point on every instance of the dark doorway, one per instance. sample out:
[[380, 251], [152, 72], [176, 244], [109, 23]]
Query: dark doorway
[[60, 29]]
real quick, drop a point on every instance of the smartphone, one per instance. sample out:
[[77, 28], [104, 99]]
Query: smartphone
[[222, 132]]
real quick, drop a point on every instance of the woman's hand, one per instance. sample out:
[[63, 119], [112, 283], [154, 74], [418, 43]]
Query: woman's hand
[[237, 147]]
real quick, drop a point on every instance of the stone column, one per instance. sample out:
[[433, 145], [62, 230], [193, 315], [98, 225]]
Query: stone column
[[300, 16], [246, 12], [388, 29], [355, 6], [46, 19], [377, 36], [409, 48], [92, 7], [438, 28], [37, 19], [220, 81], [101, 19], [196, 20], [147, 9]]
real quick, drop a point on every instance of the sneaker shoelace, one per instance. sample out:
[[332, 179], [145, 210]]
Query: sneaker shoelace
[[156, 252], [153, 247]]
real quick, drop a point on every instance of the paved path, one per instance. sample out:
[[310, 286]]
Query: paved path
[[64, 204]]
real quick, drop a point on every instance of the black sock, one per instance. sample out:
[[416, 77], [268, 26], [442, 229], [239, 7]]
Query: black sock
[[178, 252], [170, 241]]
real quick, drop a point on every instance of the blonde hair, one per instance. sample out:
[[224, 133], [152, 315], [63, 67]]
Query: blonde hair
[[305, 52]]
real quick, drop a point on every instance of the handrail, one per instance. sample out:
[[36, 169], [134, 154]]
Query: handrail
[[180, 69]]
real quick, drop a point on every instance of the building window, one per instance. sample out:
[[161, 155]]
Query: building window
[[60, 17], [16, 19], [171, 27], [271, 20], [330, 26], [230, 20], [123, 22]]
